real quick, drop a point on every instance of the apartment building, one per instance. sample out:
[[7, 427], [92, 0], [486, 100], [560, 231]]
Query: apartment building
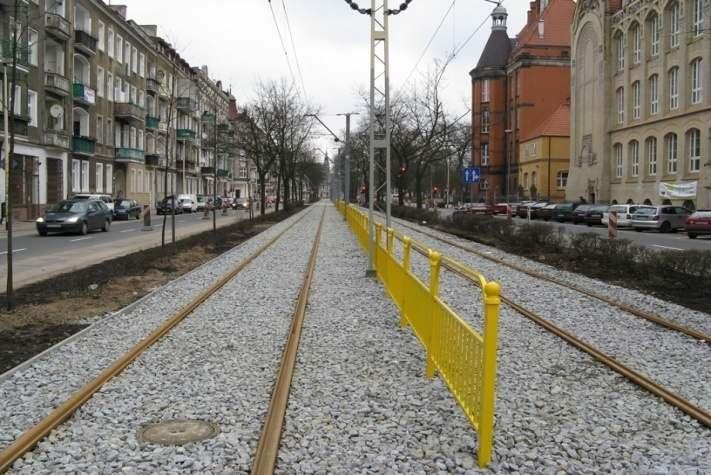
[[641, 105], [94, 97]]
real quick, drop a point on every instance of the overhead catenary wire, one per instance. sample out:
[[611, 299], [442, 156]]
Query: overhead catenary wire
[[283, 46], [293, 47]]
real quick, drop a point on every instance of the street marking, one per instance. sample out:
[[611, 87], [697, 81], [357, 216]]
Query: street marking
[[128, 230], [14, 251], [667, 247], [80, 239]]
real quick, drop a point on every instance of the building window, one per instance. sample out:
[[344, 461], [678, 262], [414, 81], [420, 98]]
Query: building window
[[651, 156], [697, 17], [673, 16], [119, 49], [85, 176], [562, 179], [110, 87], [485, 121], [636, 108], [100, 81], [673, 88], [697, 85], [99, 129], [109, 185], [100, 32], [18, 100], [636, 45], [620, 105], [33, 39], [142, 65], [140, 140], [620, 52], [109, 130], [654, 95], [134, 59], [672, 153], [654, 35], [110, 42], [484, 154], [99, 177], [634, 158], [76, 176], [485, 92], [694, 144], [32, 107], [618, 160]]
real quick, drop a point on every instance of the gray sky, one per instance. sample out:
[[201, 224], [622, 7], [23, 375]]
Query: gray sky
[[238, 41]]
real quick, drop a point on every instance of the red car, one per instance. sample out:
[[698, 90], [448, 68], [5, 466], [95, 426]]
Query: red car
[[474, 208], [502, 208], [699, 223]]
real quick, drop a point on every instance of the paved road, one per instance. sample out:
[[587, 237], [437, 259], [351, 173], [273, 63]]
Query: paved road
[[678, 241], [37, 257]]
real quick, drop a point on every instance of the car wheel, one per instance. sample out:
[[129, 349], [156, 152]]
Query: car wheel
[[107, 225], [666, 227], [692, 235], [84, 229]]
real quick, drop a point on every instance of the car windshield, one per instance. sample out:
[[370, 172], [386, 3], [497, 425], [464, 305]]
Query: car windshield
[[618, 209], [124, 204], [646, 211], [70, 207]]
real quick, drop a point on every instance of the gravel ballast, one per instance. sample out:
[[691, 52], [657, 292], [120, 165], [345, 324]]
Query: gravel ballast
[[32, 392]]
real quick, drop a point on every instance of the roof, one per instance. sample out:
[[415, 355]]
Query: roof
[[557, 18], [556, 125], [496, 52]]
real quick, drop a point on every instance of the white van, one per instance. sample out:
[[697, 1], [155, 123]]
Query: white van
[[188, 203]]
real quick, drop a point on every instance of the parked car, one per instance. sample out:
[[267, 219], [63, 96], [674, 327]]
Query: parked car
[[594, 214], [166, 206], [188, 203], [127, 209], [580, 212], [624, 215], [564, 211], [240, 203], [474, 208], [522, 209], [699, 223], [546, 213], [201, 203], [662, 218], [108, 201], [536, 209], [78, 216], [501, 208], [227, 201]]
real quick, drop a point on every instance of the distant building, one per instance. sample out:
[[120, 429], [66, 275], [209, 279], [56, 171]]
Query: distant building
[[517, 85], [641, 105]]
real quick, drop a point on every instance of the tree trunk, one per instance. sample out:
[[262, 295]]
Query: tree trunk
[[278, 194], [418, 187], [262, 194]]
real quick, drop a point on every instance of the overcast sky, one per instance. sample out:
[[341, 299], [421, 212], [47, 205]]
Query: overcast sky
[[238, 41]]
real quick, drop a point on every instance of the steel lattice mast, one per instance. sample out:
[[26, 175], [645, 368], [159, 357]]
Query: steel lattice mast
[[379, 125]]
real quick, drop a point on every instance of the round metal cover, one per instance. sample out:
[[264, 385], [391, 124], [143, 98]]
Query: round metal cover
[[177, 432]]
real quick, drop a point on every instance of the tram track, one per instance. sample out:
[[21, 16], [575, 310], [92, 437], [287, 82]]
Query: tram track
[[33, 435], [687, 407]]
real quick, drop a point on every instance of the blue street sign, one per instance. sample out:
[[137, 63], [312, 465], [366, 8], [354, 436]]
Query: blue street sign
[[471, 175]]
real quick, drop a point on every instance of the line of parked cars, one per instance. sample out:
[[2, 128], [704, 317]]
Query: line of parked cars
[[662, 218]]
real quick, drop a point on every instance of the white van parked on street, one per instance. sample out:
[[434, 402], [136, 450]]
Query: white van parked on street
[[188, 203]]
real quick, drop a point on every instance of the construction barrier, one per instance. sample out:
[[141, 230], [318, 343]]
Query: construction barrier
[[464, 358], [612, 224]]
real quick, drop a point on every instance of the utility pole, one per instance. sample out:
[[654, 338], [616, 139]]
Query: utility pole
[[8, 167], [348, 155], [379, 134]]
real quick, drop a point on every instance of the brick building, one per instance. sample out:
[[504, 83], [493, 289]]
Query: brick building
[[518, 85]]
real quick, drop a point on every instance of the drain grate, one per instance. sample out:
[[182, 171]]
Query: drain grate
[[177, 432]]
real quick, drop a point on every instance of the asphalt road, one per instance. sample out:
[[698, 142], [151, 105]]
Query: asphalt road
[[678, 241], [36, 257]]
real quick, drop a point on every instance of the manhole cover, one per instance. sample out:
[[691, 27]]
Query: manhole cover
[[177, 432]]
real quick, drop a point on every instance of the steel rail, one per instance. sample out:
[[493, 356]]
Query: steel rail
[[704, 417], [265, 457], [35, 434], [668, 324]]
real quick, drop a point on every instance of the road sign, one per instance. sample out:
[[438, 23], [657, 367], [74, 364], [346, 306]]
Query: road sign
[[472, 175]]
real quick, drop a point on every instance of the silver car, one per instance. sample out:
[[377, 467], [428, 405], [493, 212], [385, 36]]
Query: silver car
[[662, 218]]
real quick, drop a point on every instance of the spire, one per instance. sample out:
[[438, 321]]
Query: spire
[[498, 17]]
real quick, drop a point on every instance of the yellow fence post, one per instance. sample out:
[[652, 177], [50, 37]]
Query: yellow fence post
[[492, 302], [435, 264], [406, 249], [378, 239]]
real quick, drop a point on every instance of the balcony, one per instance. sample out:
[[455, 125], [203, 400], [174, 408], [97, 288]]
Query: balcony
[[153, 159], [186, 104], [56, 84], [133, 155], [207, 170], [84, 94], [152, 122], [221, 173], [162, 127], [129, 112], [152, 86], [83, 146], [57, 26], [23, 54], [185, 134], [84, 42], [56, 138]]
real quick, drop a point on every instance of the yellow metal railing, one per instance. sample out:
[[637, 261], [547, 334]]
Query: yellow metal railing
[[464, 358]]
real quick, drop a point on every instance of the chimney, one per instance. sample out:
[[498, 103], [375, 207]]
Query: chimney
[[122, 10], [151, 30]]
